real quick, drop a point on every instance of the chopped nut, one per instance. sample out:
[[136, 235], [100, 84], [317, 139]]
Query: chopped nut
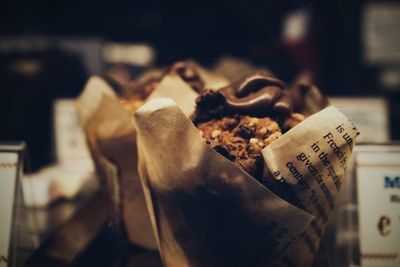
[[254, 140], [201, 133], [273, 127], [236, 140], [298, 116], [261, 144], [293, 120], [272, 138], [263, 131], [215, 133], [253, 121]]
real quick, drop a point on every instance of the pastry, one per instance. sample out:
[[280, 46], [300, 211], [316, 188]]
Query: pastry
[[239, 120]]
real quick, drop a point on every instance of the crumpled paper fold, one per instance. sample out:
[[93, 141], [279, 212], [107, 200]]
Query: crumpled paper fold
[[111, 138]]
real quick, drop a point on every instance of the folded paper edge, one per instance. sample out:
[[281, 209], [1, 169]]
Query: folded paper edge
[[89, 100]]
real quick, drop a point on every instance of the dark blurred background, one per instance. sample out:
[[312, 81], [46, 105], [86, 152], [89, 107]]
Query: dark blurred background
[[48, 49]]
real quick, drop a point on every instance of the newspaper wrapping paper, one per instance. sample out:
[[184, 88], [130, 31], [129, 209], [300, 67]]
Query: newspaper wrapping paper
[[308, 163], [206, 211], [112, 141]]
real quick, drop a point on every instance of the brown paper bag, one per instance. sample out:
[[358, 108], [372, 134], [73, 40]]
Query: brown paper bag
[[206, 211], [112, 141]]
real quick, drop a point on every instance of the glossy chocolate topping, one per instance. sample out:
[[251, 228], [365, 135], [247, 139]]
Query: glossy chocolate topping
[[284, 106], [257, 94]]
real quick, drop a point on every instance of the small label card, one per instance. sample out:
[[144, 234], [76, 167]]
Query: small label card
[[10, 160], [378, 189], [369, 114], [381, 31], [70, 142]]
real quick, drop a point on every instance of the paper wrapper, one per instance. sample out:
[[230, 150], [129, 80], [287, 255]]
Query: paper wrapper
[[206, 211], [112, 140], [309, 163]]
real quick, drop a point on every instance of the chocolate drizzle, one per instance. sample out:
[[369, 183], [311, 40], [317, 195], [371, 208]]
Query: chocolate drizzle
[[284, 106], [257, 95]]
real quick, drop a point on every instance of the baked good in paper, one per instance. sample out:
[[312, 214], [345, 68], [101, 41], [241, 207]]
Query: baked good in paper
[[133, 93], [239, 120]]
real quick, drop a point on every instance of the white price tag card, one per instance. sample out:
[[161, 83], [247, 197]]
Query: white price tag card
[[10, 160], [70, 141], [381, 31], [369, 114], [8, 174], [378, 189]]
